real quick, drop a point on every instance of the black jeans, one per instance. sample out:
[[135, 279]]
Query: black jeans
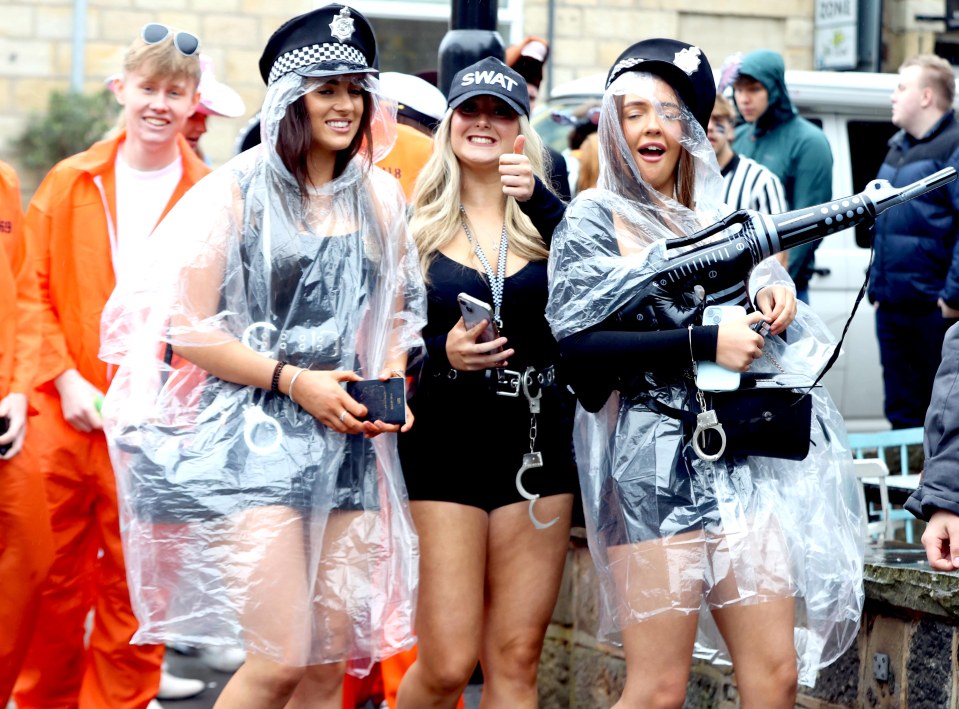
[[910, 349]]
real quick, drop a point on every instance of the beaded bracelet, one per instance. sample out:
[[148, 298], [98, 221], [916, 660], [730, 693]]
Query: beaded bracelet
[[275, 385]]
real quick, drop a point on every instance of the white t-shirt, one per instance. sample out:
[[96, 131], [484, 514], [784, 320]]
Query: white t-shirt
[[141, 196]]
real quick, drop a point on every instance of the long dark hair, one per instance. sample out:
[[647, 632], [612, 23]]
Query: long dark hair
[[295, 138]]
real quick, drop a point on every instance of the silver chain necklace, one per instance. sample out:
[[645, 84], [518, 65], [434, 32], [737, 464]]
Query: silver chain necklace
[[495, 280]]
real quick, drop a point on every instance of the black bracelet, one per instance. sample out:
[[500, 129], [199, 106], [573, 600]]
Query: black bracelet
[[275, 386]]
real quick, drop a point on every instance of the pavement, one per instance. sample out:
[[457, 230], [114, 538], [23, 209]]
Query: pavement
[[190, 666]]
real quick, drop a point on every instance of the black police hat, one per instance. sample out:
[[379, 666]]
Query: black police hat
[[490, 77], [683, 66], [335, 37]]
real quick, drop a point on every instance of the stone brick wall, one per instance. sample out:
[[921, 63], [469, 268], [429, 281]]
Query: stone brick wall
[[36, 46], [910, 619], [590, 34], [36, 52]]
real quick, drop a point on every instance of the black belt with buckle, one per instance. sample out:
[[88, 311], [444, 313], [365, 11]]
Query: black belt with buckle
[[510, 382], [505, 382]]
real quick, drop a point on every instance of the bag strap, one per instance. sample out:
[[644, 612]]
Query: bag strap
[[658, 407], [855, 306]]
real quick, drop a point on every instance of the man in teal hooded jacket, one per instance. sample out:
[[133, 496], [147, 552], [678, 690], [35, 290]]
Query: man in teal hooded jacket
[[779, 138]]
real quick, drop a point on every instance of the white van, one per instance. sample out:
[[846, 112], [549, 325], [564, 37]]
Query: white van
[[853, 109]]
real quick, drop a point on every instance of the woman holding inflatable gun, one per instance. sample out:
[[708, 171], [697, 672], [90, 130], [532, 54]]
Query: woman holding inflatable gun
[[723, 524]]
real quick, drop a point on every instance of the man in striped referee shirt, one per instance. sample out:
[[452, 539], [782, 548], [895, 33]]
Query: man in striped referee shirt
[[748, 184]]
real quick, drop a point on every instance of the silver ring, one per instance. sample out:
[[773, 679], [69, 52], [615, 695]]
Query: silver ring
[[343, 416]]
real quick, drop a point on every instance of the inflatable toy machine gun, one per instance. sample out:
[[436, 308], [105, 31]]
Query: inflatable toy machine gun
[[726, 262]]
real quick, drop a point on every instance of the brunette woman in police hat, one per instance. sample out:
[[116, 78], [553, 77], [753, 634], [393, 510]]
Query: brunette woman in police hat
[[757, 559], [488, 575], [259, 502]]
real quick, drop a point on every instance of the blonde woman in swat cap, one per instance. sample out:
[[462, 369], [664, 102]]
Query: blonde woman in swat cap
[[485, 407], [260, 501]]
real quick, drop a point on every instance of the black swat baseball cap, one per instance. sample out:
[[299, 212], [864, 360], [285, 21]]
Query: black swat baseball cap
[[331, 39], [683, 66], [490, 77]]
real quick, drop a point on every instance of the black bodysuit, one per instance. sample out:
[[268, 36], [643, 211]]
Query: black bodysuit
[[468, 442]]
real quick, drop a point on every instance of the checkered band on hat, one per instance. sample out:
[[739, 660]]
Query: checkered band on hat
[[316, 54]]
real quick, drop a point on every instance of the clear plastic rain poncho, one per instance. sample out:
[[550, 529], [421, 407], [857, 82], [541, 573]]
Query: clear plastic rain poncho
[[667, 530], [244, 519]]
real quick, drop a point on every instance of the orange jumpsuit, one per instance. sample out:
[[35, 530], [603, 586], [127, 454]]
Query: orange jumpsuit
[[408, 156], [68, 224], [26, 546]]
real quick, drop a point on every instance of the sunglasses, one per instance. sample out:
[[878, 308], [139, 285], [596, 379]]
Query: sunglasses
[[186, 44]]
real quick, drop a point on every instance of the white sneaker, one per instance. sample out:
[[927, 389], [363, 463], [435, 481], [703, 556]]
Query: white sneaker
[[223, 659], [173, 687], [154, 704]]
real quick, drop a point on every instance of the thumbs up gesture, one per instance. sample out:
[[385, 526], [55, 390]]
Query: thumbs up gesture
[[516, 172]]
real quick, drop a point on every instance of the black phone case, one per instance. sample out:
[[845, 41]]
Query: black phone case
[[385, 401]]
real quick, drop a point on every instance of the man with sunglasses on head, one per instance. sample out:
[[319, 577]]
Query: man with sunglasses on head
[[88, 224]]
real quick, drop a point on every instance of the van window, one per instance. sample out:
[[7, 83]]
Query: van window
[[867, 150]]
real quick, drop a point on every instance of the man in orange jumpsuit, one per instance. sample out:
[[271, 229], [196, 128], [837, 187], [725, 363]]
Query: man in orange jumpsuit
[[419, 108], [87, 225], [26, 546]]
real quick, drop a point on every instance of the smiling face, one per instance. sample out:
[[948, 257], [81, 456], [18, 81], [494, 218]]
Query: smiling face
[[652, 126], [155, 108], [481, 129], [335, 109]]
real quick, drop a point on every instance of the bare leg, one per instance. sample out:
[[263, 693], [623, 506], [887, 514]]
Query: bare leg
[[266, 560], [659, 652], [259, 684], [449, 614], [340, 598], [760, 640], [652, 576], [759, 630], [524, 570], [320, 688]]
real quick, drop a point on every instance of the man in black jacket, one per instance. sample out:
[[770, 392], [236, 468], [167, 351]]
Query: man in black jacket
[[915, 275]]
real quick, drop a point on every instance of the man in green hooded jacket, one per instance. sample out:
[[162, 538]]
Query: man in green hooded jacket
[[779, 138]]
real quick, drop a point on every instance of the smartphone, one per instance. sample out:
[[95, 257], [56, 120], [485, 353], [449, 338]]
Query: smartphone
[[384, 401], [476, 311], [709, 375], [4, 425]]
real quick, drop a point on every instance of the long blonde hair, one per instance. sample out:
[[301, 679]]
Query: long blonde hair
[[436, 200]]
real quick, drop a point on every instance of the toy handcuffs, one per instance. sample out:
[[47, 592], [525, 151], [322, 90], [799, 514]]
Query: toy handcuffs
[[253, 415]]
